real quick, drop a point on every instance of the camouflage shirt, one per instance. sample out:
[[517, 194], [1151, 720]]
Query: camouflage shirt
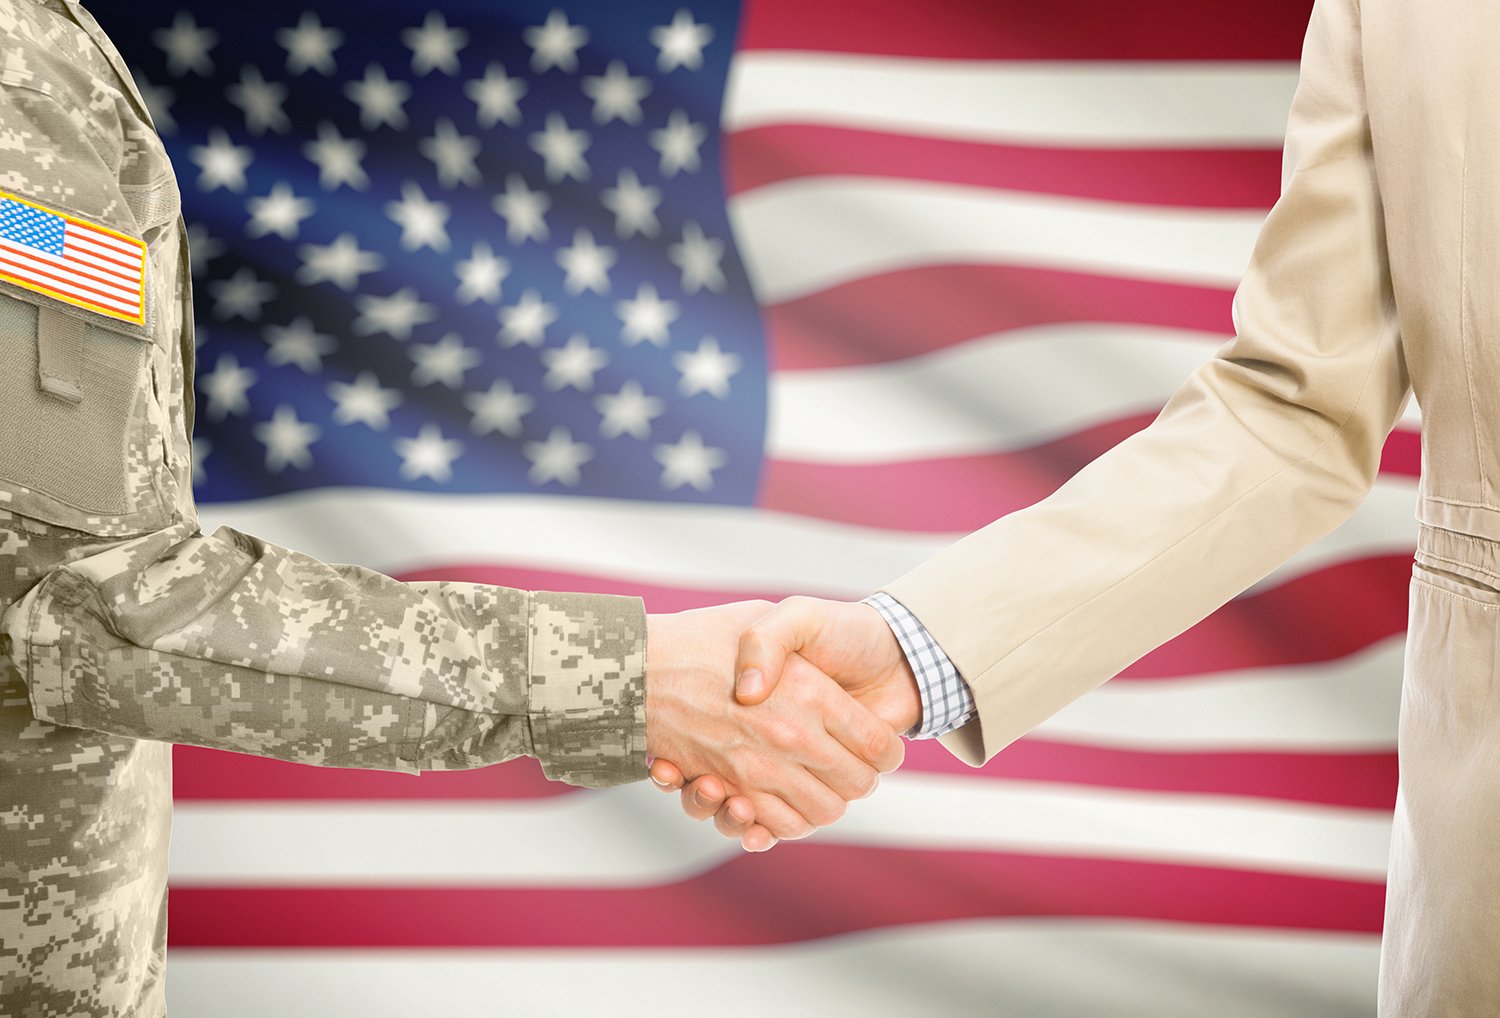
[[126, 628]]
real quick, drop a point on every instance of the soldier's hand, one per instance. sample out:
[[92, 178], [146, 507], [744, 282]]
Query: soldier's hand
[[795, 761]]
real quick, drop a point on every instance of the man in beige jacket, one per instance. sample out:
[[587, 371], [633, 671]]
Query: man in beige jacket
[[1376, 273]]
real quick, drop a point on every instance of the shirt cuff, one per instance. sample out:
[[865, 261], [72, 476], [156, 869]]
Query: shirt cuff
[[947, 702]]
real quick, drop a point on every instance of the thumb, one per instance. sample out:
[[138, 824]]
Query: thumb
[[764, 647]]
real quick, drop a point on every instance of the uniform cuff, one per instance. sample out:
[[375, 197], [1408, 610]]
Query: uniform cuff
[[587, 687]]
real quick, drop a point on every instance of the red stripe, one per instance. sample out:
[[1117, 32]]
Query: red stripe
[[1056, 30], [29, 270], [1319, 616], [895, 315], [796, 893], [1241, 178], [1358, 780], [209, 774], [964, 493]]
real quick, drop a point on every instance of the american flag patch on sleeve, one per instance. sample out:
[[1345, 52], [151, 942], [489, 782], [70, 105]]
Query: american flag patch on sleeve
[[72, 260]]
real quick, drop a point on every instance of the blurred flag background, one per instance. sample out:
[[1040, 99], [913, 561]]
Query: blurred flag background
[[704, 301]]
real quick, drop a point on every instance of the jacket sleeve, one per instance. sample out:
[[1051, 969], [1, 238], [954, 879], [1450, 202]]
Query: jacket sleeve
[[229, 642], [1267, 447]]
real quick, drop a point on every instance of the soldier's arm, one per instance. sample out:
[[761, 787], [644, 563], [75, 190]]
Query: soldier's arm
[[227, 641]]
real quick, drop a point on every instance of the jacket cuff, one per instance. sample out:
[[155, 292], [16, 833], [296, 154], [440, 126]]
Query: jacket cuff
[[587, 687]]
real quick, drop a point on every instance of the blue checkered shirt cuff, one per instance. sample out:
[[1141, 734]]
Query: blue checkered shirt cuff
[[947, 702]]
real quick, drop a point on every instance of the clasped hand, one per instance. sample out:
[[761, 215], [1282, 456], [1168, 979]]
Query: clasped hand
[[772, 719]]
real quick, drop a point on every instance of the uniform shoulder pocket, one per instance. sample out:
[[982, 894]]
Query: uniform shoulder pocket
[[80, 438]]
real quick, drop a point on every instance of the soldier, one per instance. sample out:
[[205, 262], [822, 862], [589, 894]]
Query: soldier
[[126, 628]]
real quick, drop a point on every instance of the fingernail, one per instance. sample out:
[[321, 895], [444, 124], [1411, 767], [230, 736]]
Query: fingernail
[[751, 682], [702, 799], [660, 783]]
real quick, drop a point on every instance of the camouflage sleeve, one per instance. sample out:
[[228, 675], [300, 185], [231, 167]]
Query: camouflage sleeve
[[229, 642]]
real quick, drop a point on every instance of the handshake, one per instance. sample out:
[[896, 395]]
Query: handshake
[[771, 719]]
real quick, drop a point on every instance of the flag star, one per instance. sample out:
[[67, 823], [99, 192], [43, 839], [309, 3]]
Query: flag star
[[555, 43], [338, 159], [496, 96], [203, 247], [633, 204], [158, 103], [678, 144], [261, 102], [310, 46], [221, 163], [586, 264], [575, 364], [395, 315], [480, 275], [428, 455], [281, 212], [557, 459], [380, 100], [453, 154], [628, 412], [186, 45], [340, 263], [286, 440], [300, 344], [434, 46], [498, 409], [646, 318], [526, 320], [363, 401], [706, 369], [444, 361], [561, 149], [523, 211], [201, 448], [242, 295], [698, 257], [616, 94], [225, 387], [681, 43], [424, 223], [689, 462]]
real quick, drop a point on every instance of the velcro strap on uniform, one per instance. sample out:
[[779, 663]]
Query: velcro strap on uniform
[[59, 354]]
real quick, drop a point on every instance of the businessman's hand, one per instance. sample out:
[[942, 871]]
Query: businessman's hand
[[795, 760], [848, 641]]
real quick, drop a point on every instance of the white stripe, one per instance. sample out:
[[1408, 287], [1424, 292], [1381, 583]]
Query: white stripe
[[993, 394], [1347, 705], [998, 393], [71, 290], [802, 236], [635, 835], [107, 241], [714, 548], [1167, 105], [1043, 968]]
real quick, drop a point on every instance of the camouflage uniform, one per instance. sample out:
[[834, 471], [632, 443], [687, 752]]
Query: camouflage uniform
[[127, 629]]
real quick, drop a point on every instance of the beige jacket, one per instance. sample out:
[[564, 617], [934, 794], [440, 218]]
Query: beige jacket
[[1377, 272]]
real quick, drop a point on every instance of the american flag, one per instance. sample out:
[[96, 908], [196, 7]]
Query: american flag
[[701, 301], [78, 262]]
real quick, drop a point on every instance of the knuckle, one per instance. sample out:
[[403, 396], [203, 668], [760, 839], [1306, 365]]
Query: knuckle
[[783, 734]]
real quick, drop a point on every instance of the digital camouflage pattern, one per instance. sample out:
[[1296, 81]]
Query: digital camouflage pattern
[[126, 628]]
